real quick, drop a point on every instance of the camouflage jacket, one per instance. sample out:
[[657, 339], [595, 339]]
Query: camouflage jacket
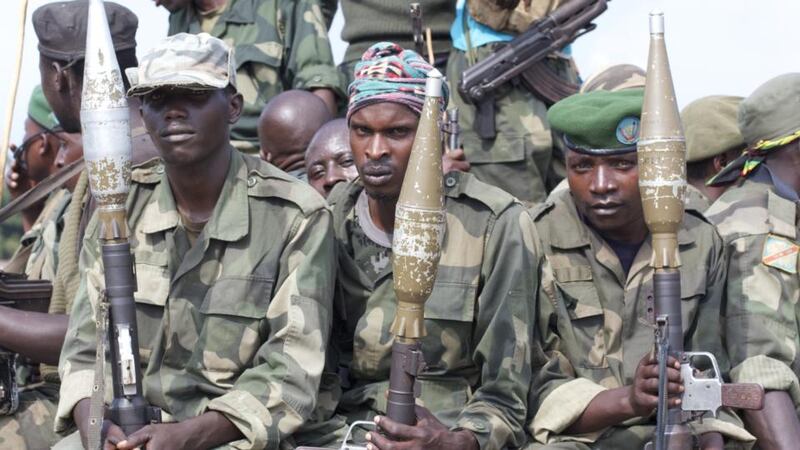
[[596, 323], [37, 255], [695, 199], [760, 231], [279, 44], [237, 323], [478, 318]]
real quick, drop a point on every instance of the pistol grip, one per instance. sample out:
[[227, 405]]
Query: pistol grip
[[743, 395]]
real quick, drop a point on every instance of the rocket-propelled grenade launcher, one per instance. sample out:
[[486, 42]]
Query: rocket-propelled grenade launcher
[[662, 184], [416, 247], [107, 151]]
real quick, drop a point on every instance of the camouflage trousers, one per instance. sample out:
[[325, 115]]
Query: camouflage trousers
[[32, 425], [518, 159], [621, 438]]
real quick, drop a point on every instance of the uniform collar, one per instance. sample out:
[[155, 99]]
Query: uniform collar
[[230, 220]]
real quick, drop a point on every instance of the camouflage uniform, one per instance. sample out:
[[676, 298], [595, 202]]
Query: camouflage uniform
[[280, 45], [758, 225], [31, 427], [237, 323], [478, 318], [518, 159], [695, 199], [596, 323]]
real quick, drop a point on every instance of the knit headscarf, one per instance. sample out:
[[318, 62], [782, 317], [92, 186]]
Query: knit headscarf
[[388, 73]]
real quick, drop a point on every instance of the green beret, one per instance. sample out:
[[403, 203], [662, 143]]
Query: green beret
[[39, 110], [600, 122], [711, 127], [772, 111], [61, 28]]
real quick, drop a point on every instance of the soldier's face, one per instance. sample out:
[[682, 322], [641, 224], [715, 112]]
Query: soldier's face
[[606, 192], [189, 126], [381, 136], [329, 162]]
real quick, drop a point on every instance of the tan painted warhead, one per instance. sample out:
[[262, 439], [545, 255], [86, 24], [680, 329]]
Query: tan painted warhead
[[419, 218], [661, 153]]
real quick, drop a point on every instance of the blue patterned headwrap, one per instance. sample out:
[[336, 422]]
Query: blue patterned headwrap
[[388, 73]]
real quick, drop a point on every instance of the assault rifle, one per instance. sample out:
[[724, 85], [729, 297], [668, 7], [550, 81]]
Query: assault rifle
[[523, 57], [17, 292]]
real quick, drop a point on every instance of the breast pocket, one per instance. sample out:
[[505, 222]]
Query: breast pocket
[[233, 315], [583, 337], [449, 314], [259, 65], [152, 291]]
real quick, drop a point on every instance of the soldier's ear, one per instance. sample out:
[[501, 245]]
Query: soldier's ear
[[235, 106]]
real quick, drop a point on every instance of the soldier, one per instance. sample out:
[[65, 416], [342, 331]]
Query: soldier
[[234, 263], [285, 129], [478, 318], [34, 158], [61, 29], [712, 141], [758, 219], [280, 45], [519, 157], [596, 292], [369, 21], [329, 159]]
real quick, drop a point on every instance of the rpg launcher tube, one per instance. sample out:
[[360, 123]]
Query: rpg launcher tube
[[107, 151], [416, 247], [662, 185]]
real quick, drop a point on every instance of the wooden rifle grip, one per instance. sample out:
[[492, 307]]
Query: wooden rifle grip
[[743, 395]]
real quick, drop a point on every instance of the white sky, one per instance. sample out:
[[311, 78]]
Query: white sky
[[715, 46]]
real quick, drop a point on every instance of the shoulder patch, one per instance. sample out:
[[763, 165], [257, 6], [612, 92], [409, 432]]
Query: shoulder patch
[[265, 180], [780, 253], [148, 172], [457, 184]]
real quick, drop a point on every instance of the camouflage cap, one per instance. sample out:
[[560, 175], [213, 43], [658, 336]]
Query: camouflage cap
[[615, 78], [710, 126], [599, 123], [61, 28], [772, 112], [39, 110], [192, 61]]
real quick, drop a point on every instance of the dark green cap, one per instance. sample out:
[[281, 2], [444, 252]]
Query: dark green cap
[[710, 126], [771, 112], [600, 122], [39, 110], [61, 28]]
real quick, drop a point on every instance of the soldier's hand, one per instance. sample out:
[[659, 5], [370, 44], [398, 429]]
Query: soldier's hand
[[113, 434], [16, 180], [455, 160], [427, 434], [159, 436], [643, 394]]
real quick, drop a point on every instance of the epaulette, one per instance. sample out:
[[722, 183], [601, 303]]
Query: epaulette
[[148, 172], [457, 184], [540, 209], [281, 185]]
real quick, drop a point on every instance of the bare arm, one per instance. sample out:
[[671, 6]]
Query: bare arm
[[37, 336], [776, 425]]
